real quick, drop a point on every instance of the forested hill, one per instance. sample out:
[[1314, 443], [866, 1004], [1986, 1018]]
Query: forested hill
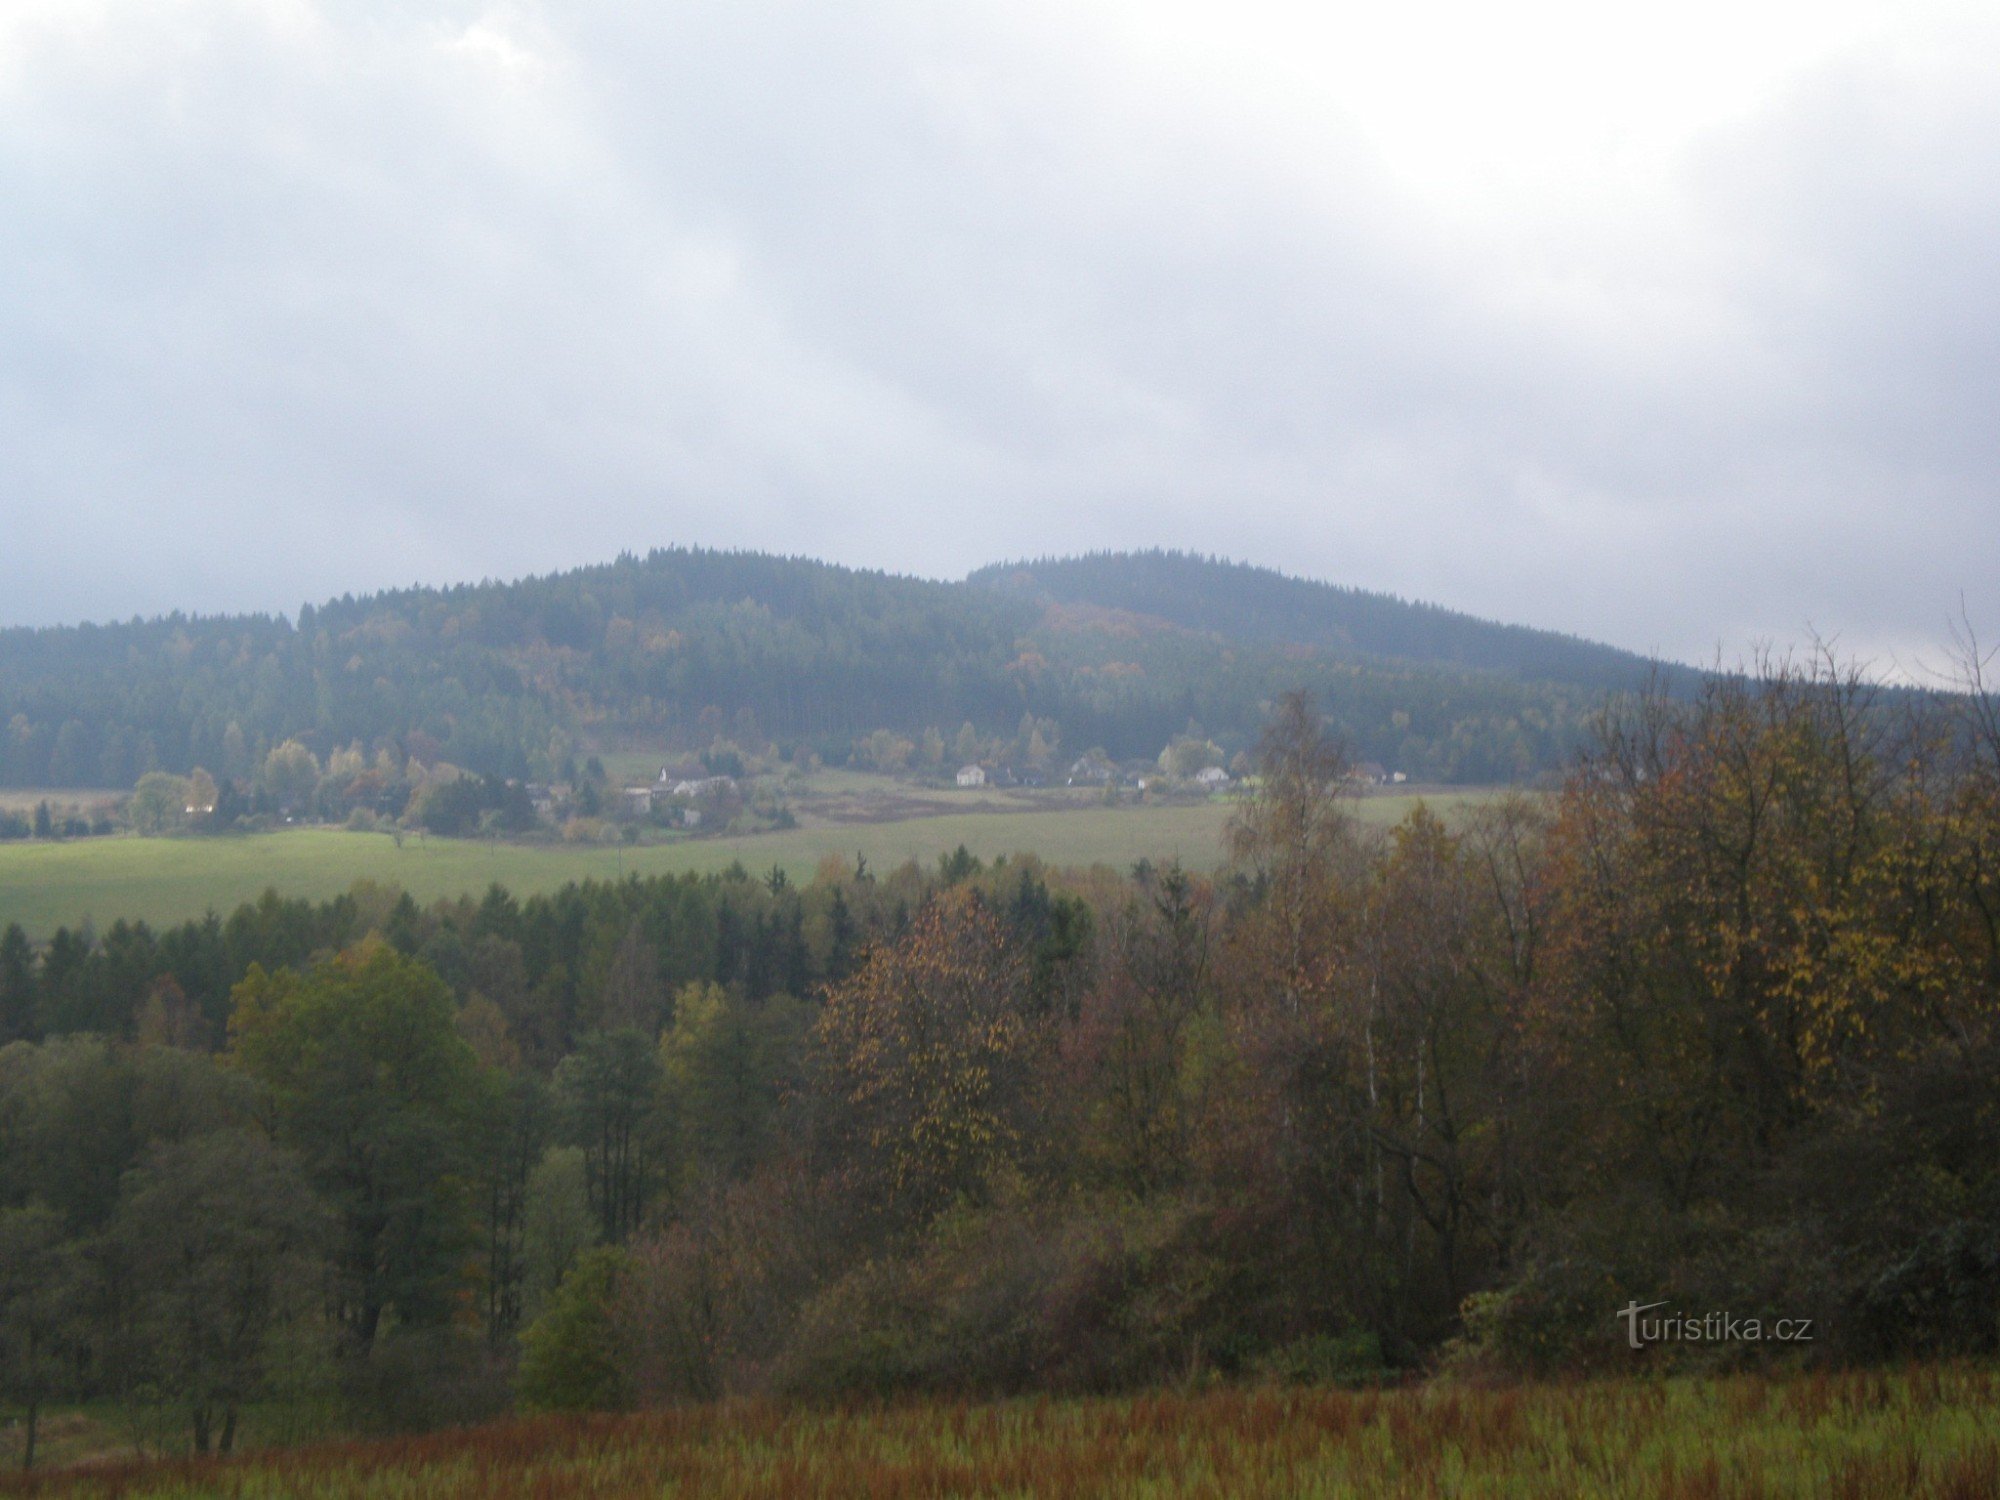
[[1247, 603], [680, 648]]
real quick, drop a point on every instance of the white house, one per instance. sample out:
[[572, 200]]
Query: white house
[[971, 776], [704, 786], [1211, 778], [1089, 769]]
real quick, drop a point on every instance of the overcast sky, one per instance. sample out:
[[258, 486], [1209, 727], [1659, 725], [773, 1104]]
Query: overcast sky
[[1675, 326]]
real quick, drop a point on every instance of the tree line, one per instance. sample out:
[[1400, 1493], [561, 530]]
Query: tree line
[[1714, 1025]]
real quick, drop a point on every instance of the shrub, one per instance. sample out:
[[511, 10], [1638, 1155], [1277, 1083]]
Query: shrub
[[417, 1379], [1350, 1358], [1941, 1298], [571, 1358], [1558, 1312]]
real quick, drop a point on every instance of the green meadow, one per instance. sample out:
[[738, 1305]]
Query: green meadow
[[160, 880]]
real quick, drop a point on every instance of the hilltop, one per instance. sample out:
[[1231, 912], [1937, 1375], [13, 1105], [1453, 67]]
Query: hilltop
[[681, 648]]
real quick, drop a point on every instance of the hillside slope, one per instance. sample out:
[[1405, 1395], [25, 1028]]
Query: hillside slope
[[1252, 604], [681, 647]]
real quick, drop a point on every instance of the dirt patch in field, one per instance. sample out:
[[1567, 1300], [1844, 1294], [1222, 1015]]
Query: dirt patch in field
[[896, 809], [90, 799]]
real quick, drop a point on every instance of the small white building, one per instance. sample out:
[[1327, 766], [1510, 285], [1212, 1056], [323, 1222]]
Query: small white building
[[971, 776], [705, 786], [1089, 770], [1211, 778]]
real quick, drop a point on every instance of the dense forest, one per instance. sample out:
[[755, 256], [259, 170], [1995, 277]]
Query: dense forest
[[1715, 1025], [1244, 603], [674, 649]]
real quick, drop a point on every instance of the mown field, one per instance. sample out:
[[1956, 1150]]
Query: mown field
[[1931, 1433], [45, 885]]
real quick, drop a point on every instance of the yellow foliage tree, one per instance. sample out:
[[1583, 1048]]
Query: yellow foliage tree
[[924, 1058]]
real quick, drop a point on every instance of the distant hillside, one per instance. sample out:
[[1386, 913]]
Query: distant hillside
[[1246, 603], [681, 648]]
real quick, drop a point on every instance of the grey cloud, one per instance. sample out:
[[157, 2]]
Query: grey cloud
[[297, 301]]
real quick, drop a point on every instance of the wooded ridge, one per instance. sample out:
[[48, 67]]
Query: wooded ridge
[[682, 646]]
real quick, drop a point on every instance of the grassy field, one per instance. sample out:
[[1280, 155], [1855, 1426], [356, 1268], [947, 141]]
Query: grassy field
[[1930, 1433], [45, 885]]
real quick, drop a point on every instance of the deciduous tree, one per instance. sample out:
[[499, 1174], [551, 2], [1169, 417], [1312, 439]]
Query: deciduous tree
[[924, 1058], [370, 1082], [38, 1296], [220, 1236]]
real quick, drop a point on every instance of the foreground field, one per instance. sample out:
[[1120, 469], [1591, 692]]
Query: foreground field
[[1931, 1432], [45, 885]]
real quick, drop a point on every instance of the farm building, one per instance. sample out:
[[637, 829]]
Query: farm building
[[704, 786], [1092, 769]]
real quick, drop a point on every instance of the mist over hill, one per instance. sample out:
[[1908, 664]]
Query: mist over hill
[[684, 647]]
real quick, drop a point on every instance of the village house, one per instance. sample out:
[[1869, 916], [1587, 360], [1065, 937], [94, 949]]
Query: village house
[[704, 786], [1211, 778], [971, 776], [1091, 769]]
